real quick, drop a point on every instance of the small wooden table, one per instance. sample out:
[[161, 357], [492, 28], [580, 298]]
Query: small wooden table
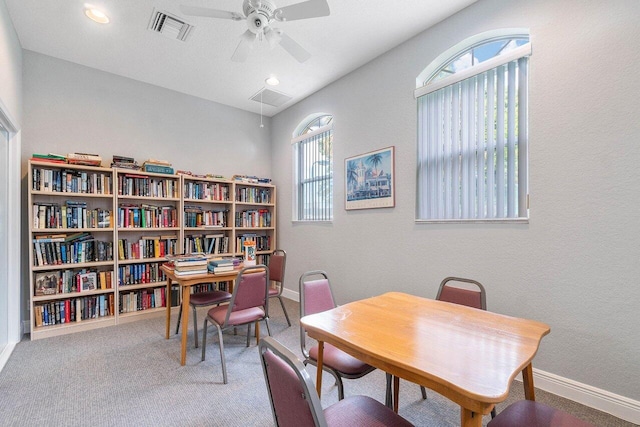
[[185, 283], [468, 355]]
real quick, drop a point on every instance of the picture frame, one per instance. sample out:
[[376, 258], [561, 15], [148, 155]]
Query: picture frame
[[46, 283], [370, 180]]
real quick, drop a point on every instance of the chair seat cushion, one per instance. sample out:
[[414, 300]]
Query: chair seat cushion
[[338, 360], [274, 291], [535, 414], [209, 298], [240, 317], [362, 411]]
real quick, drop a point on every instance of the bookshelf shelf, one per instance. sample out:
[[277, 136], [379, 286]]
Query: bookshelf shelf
[[119, 284]]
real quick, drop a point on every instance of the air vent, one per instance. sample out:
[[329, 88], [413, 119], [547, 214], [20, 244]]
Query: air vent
[[271, 97], [170, 26]]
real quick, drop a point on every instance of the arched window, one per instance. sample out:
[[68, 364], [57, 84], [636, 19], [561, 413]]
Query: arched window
[[472, 131], [313, 168]]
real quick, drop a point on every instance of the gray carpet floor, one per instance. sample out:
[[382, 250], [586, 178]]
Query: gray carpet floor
[[130, 375]]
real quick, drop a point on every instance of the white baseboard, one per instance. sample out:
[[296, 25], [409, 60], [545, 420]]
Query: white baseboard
[[6, 352], [602, 400]]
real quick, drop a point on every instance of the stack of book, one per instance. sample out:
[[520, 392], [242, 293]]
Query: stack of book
[[123, 162], [189, 264], [84, 159], [157, 166], [221, 265], [49, 158]]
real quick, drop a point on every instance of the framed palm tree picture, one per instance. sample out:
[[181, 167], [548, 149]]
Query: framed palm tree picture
[[369, 180]]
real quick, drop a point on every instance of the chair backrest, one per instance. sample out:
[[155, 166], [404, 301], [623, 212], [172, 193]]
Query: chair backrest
[[293, 397], [315, 296], [475, 298], [277, 264], [251, 289]]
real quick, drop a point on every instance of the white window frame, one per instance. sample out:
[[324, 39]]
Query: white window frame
[[458, 194], [323, 211]]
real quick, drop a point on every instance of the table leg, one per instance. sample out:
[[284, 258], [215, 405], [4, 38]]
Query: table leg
[[186, 294], [319, 363], [527, 381], [396, 393], [468, 418], [168, 303]]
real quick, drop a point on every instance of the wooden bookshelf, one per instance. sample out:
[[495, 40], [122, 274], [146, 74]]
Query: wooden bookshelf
[[133, 219], [71, 239]]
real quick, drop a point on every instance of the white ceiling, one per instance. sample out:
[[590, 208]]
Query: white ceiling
[[353, 34]]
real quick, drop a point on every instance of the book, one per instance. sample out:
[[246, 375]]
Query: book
[[46, 283], [84, 159], [157, 168], [88, 282]]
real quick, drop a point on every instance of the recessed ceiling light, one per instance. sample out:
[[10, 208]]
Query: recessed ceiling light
[[272, 81], [96, 15]]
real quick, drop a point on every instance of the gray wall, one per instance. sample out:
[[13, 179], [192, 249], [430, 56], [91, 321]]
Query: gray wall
[[575, 264]]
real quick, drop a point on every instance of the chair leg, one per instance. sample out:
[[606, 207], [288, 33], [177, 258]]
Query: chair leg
[[266, 321], [221, 345], [248, 334], [195, 326], [286, 315], [340, 388], [424, 392], [493, 413], [204, 338], [387, 395], [179, 318]]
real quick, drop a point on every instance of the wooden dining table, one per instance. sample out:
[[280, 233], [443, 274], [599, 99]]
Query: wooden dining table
[[468, 355], [185, 283]]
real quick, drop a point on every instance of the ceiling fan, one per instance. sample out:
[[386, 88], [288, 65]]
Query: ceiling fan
[[260, 15]]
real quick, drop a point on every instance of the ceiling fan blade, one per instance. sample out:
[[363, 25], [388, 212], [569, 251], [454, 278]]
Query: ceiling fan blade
[[293, 48], [210, 13], [246, 44], [304, 10]]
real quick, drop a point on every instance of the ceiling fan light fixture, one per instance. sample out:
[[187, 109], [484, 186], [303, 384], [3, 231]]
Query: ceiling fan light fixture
[[272, 81], [96, 15]]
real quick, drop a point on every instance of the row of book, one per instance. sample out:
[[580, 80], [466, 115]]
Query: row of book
[[68, 281], [263, 243], [71, 181], [147, 216], [253, 195], [73, 310], [58, 250], [147, 247], [135, 274], [146, 186], [206, 191], [209, 244], [250, 179], [195, 216], [253, 218], [72, 214], [142, 299]]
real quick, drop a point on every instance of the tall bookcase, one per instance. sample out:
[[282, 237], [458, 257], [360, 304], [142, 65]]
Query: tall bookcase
[[71, 234], [99, 235], [148, 229]]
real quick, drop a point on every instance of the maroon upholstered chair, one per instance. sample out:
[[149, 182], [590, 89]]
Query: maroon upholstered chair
[[535, 414], [202, 299], [277, 264], [249, 304], [295, 403], [315, 297]]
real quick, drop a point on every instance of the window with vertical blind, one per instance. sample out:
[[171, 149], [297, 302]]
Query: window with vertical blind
[[472, 135], [313, 169]]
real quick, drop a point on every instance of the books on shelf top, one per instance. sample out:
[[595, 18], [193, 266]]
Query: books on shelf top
[[50, 158], [84, 159]]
